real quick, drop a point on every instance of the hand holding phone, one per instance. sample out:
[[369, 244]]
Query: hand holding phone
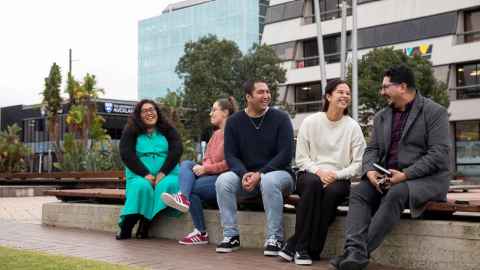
[[382, 170], [384, 182]]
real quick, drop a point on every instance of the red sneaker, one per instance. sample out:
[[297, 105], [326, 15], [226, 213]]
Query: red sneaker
[[177, 201], [195, 238]]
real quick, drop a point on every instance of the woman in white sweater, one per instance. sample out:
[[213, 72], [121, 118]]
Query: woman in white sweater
[[330, 145]]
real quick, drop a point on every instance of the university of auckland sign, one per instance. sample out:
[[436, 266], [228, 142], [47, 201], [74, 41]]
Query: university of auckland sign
[[118, 108]]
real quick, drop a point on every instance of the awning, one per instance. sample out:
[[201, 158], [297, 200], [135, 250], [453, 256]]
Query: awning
[[464, 109]]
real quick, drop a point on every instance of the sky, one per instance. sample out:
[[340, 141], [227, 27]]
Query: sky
[[101, 33]]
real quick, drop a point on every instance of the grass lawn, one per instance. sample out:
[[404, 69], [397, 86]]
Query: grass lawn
[[14, 259]]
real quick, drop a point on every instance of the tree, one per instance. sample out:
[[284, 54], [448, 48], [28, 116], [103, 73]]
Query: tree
[[12, 151], [370, 74], [172, 107], [84, 125], [82, 116], [261, 63], [213, 68], [52, 103], [208, 71]]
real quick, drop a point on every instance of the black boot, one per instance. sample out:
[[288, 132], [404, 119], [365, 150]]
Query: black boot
[[126, 227], [143, 228]]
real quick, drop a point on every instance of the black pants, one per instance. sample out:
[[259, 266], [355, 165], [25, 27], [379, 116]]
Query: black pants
[[372, 216], [316, 210]]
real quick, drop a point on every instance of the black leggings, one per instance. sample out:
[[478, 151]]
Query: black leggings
[[316, 210]]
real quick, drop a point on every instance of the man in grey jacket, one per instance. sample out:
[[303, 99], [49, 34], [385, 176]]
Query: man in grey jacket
[[410, 139]]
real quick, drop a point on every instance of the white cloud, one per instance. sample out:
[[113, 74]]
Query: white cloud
[[102, 35]]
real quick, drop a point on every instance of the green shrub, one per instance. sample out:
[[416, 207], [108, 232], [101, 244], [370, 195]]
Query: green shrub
[[12, 151]]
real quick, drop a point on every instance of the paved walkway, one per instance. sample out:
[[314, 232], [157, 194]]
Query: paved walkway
[[153, 253], [23, 209], [19, 228]]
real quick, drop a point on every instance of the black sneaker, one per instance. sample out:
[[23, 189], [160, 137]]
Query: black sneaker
[[286, 253], [302, 258], [228, 244], [335, 261], [272, 247], [354, 261]]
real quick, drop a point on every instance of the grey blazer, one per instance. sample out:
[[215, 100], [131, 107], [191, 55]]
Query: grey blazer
[[423, 151]]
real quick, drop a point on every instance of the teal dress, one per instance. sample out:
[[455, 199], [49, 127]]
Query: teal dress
[[141, 197]]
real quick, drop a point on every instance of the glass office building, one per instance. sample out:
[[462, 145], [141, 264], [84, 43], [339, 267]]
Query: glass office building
[[161, 39]]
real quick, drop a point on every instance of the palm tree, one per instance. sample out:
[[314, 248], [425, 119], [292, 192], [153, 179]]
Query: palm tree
[[52, 103]]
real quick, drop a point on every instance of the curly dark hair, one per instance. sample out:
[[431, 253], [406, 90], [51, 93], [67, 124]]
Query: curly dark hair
[[136, 124]]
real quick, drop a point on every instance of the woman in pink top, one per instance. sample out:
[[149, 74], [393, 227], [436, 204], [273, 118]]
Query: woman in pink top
[[197, 182]]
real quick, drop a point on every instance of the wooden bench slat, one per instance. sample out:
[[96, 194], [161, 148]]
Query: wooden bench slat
[[88, 193], [64, 175]]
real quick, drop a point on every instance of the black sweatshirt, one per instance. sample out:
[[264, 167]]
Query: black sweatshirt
[[128, 153], [268, 148]]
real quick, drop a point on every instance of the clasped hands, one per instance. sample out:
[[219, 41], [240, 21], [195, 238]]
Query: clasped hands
[[250, 180], [155, 179], [326, 176], [375, 179]]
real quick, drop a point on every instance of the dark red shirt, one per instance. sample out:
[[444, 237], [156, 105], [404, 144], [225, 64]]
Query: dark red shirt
[[399, 119]]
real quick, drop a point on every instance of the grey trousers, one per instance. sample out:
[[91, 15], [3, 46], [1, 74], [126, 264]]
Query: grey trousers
[[372, 215]]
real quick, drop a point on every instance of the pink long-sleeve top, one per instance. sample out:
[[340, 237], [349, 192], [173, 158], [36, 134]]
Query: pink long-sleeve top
[[214, 159]]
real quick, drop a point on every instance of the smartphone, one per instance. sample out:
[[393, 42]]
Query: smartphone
[[382, 170]]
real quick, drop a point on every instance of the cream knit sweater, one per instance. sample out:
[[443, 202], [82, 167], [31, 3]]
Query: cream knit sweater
[[326, 145]]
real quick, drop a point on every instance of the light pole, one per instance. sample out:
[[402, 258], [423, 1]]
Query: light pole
[[321, 53], [354, 61]]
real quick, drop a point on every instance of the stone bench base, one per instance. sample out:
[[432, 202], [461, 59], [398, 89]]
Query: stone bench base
[[413, 244]]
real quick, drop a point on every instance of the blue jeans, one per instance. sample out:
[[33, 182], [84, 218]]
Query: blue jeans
[[272, 186], [196, 189]]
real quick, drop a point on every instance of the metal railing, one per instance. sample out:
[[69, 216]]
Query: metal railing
[[467, 37], [306, 106], [314, 60], [326, 15], [466, 92]]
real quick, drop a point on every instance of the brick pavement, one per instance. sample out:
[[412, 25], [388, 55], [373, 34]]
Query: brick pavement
[[153, 253], [19, 227]]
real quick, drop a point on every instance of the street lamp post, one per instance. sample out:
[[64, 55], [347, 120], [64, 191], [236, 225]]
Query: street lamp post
[[321, 53]]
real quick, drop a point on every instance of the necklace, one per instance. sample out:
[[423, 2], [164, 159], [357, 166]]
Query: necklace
[[261, 120]]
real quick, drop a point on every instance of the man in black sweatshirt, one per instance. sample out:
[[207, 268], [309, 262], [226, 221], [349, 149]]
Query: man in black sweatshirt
[[258, 150]]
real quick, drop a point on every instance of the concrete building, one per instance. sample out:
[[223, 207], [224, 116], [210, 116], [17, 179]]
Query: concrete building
[[447, 32], [161, 39], [33, 122]]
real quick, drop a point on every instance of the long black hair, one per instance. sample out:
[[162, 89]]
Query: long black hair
[[136, 124], [331, 86]]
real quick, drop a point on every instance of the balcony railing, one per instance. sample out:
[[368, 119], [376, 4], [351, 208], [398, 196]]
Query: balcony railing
[[466, 92], [326, 15], [307, 106], [314, 60], [467, 37]]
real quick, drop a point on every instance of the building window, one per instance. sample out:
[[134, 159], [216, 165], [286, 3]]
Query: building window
[[468, 81], [286, 11], [329, 10], [472, 25], [409, 30], [467, 146], [308, 97], [331, 46], [285, 51]]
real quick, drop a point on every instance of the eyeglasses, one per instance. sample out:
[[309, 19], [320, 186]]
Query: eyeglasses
[[149, 110], [386, 86]]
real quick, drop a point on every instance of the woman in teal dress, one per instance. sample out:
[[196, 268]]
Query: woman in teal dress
[[150, 148]]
